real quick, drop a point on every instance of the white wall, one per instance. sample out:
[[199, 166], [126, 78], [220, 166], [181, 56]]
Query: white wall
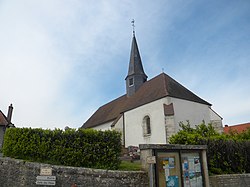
[[216, 121], [214, 115], [103, 127], [194, 112], [134, 121], [183, 110], [119, 127]]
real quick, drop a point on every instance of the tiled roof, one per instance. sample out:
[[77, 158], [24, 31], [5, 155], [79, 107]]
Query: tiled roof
[[152, 90], [3, 119], [236, 128]]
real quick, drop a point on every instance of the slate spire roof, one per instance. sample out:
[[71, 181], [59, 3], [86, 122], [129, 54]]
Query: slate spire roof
[[158, 87], [136, 75], [135, 63]]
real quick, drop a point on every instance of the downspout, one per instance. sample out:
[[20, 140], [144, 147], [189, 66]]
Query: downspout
[[123, 127]]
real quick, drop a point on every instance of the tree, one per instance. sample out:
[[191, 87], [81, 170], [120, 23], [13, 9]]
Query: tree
[[226, 153], [188, 135]]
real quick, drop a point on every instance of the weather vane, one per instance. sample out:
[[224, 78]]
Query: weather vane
[[133, 25]]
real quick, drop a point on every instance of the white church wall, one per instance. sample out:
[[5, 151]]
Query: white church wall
[[119, 127], [103, 127], [134, 124], [194, 112], [161, 125], [214, 115], [216, 121], [170, 127]]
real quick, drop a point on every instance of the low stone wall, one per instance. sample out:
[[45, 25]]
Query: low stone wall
[[232, 180], [16, 173]]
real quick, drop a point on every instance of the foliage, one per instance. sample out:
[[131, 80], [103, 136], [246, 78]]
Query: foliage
[[226, 153], [82, 147]]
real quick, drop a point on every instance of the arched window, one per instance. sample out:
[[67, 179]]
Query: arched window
[[146, 126]]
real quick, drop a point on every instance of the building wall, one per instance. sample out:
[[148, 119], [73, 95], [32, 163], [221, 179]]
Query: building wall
[[134, 124], [194, 112], [216, 121], [119, 127], [162, 127], [103, 127], [170, 127]]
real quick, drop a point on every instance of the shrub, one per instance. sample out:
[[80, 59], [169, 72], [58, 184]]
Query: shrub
[[82, 147], [225, 153]]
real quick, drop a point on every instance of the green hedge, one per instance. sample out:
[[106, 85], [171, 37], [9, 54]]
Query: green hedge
[[81, 148], [227, 156]]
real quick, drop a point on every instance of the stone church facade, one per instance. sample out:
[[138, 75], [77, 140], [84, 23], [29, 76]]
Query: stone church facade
[[151, 110]]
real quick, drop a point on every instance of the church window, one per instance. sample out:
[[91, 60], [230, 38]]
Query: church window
[[146, 126], [131, 82]]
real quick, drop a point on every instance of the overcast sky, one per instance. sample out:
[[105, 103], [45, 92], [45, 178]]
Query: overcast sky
[[60, 60]]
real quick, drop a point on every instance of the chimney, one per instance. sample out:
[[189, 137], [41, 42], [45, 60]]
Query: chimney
[[10, 113]]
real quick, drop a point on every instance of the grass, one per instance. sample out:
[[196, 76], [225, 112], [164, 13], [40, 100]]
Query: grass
[[130, 166]]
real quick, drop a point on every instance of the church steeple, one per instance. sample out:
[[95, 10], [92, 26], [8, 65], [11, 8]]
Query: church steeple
[[136, 75]]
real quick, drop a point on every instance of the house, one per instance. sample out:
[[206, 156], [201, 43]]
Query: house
[[5, 122], [151, 110], [236, 128]]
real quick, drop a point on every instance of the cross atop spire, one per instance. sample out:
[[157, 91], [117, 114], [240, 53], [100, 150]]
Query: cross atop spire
[[133, 25]]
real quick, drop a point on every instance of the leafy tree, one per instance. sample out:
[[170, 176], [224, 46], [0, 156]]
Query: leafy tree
[[226, 153], [188, 135]]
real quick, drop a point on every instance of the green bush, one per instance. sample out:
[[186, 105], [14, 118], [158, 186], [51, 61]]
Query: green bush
[[226, 153], [81, 148]]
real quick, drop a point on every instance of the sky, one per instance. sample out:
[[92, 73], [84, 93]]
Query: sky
[[61, 60]]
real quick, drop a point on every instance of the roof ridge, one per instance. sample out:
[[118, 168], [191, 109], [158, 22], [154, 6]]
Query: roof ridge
[[240, 124]]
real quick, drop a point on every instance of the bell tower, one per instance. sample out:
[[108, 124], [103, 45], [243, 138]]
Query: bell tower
[[136, 75]]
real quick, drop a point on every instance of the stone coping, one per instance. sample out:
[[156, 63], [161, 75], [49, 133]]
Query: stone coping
[[78, 169], [172, 147]]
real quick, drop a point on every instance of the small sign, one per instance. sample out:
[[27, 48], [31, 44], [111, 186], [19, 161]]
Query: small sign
[[46, 178], [46, 171], [48, 183], [151, 160]]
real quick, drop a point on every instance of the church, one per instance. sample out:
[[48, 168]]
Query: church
[[151, 110]]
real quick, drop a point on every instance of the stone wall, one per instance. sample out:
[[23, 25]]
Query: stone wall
[[16, 173], [232, 180]]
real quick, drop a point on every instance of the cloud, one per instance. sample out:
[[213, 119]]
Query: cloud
[[61, 60]]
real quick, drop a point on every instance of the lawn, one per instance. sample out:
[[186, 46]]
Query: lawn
[[130, 166]]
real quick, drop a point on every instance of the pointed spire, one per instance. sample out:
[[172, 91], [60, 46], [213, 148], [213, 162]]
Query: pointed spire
[[135, 63], [136, 75]]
